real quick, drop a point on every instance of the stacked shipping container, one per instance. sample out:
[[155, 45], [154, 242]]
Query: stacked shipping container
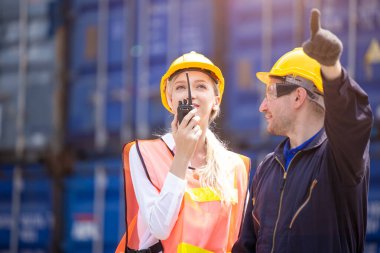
[[118, 51]]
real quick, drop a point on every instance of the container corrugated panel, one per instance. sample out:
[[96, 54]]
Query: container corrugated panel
[[372, 89], [373, 213], [6, 186], [84, 36], [81, 119], [243, 91], [373, 209], [196, 26], [82, 106], [375, 166], [372, 247], [39, 109], [35, 220], [368, 38], [258, 38], [157, 28], [39, 54], [93, 184], [36, 9], [84, 74], [283, 29], [8, 105], [40, 84]]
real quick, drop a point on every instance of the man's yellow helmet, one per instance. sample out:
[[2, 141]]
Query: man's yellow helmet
[[295, 63], [191, 60]]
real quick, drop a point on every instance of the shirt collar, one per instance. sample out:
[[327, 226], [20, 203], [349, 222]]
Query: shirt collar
[[169, 140], [316, 141], [300, 147]]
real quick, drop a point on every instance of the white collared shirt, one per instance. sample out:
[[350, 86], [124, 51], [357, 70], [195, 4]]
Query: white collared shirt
[[158, 211]]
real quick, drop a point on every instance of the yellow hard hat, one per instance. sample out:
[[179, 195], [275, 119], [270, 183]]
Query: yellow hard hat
[[296, 63], [192, 60]]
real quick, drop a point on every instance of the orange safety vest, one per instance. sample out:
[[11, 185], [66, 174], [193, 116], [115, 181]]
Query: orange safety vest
[[204, 224]]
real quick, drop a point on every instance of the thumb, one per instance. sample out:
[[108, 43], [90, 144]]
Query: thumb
[[315, 23]]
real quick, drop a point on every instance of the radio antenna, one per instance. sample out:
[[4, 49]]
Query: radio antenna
[[188, 89]]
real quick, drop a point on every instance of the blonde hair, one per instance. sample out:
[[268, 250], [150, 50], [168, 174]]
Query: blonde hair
[[219, 172]]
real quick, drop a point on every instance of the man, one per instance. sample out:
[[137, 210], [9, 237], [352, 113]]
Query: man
[[310, 194]]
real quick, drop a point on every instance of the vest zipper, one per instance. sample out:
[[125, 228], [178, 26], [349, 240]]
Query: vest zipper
[[281, 196], [313, 184]]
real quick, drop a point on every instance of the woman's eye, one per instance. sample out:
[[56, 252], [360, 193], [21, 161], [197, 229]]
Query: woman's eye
[[179, 87], [201, 86]]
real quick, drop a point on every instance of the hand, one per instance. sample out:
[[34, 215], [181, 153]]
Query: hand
[[323, 46], [186, 136]]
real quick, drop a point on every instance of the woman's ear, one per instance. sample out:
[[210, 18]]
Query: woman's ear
[[170, 103], [168, 94], [216, 103]]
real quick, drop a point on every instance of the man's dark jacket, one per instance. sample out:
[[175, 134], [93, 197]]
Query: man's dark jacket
[[320, 203]]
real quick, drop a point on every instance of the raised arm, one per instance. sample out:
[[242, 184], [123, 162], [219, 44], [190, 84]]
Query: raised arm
[[348, 116]]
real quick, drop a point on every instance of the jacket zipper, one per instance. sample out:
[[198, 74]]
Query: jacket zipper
[[304, 203], [257, 220], [281, 196]]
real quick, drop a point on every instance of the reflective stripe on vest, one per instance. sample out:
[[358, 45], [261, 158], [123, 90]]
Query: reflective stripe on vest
[[203, 224]]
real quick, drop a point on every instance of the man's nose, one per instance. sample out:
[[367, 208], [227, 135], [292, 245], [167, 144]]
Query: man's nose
[[263, 106]]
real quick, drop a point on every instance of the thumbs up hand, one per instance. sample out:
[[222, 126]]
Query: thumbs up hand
[[323, 46]]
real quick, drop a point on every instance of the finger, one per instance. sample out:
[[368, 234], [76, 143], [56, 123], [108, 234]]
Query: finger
[[174, 123], [188, 117], [197, 132], [315, 23], [307, 47], [193, 122]]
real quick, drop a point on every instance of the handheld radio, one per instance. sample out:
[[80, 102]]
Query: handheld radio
[[185, 106]]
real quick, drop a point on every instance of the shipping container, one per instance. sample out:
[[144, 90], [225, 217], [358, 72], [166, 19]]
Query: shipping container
[[82, 111], [94, 207], [26, 209], [373, 217], [258, 35], [372, 247], [100, 105], [85, 36], [28, 86]]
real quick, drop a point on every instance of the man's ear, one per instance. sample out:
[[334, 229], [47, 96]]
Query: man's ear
[[299, 97]]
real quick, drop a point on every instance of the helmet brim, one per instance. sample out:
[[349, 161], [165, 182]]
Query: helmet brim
[[263, 77]]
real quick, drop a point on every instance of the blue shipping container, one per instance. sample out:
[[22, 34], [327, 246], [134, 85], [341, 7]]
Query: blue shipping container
[[85, 34], [39, 77], [31, 188], [94, 206]]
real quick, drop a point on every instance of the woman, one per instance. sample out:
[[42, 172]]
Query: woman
[[185, 192]]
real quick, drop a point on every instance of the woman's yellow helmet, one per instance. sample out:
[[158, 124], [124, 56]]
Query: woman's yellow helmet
[[191, 60]]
